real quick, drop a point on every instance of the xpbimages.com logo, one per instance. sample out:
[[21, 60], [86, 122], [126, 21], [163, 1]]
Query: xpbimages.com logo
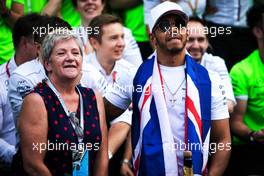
[[58, 146], [81, 31], [208, 31], [210, 148]]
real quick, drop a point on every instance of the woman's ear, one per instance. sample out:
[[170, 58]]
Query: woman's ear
[[47, 65]]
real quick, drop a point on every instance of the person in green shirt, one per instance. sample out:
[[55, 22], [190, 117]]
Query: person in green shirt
[[10, 11], [247, 120], [63, 9], [33, 6]]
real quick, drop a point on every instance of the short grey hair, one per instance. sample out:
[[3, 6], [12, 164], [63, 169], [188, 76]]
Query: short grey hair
[[56, 36]]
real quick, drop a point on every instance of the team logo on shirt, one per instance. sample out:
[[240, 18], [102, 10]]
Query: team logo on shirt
[[23, 89]]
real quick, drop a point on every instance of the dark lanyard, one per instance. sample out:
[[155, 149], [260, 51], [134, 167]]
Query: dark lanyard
[[80, 138]]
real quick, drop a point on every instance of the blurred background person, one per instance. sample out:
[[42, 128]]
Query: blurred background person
[[10, 11], [128, 10], [27, 75], [247, 120], [197, 45], [95, 8], [233, 40], [25, 50], [64, 113]]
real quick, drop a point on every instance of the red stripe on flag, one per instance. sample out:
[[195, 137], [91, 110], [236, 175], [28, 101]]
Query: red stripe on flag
[[136, 165], [191, 107]]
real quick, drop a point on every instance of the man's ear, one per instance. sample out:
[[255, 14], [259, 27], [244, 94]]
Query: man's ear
[[258, 32], [153, 40], [94, 43], [23, 41]]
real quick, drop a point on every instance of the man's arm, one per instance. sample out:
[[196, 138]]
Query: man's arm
[[239, 128], [16, 11], [52, 8], [220, 137], [111, 110], [126, 166]]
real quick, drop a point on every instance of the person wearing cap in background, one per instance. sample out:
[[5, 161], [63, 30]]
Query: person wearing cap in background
[[177, 105]]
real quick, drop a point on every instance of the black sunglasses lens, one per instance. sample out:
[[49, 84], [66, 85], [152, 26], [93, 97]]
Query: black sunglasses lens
[[179, 22], [164, 25]]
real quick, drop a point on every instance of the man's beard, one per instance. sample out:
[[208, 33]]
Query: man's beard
[[170, 51]]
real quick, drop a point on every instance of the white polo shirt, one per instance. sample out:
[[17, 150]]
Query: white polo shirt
[[131, 51], [217, 64], [121, 69], [22, 81], [7, 126]]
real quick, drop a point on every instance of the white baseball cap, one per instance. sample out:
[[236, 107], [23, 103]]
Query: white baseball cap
[[166, 8]]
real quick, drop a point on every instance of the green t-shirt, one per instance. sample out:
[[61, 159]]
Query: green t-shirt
[[134, 20], [35, 6], [248, 83], [6, 42], [69, 13]]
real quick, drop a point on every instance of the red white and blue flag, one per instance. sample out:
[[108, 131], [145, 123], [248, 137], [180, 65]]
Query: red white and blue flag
[[152, 136]]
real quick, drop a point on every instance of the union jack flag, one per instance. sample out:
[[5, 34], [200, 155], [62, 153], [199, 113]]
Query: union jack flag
[[151, 130]]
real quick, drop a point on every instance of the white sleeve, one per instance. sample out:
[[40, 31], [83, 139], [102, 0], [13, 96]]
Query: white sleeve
[[19, 87], [1, 109], [7, 152], [120, 93], [219, 109], [221, 69], [131, 52]]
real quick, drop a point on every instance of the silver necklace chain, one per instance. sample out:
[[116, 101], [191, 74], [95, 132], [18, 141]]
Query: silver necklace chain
[[173, 100]]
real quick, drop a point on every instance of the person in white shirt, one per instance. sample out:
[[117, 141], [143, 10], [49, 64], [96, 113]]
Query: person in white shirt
[[109, 46], [172, 58], [25, 50], [197, 45], [25, 77], [230, 37], [90, 9]]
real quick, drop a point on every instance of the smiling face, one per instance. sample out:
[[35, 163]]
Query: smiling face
[[197, 42], [170, 34], [112, 44], [65, 61], [89, 8]]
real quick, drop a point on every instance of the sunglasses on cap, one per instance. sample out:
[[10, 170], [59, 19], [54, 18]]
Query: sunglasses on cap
[[165, 24]]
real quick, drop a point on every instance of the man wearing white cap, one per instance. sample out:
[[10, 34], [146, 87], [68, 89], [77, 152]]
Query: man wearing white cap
[[178, 106]]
